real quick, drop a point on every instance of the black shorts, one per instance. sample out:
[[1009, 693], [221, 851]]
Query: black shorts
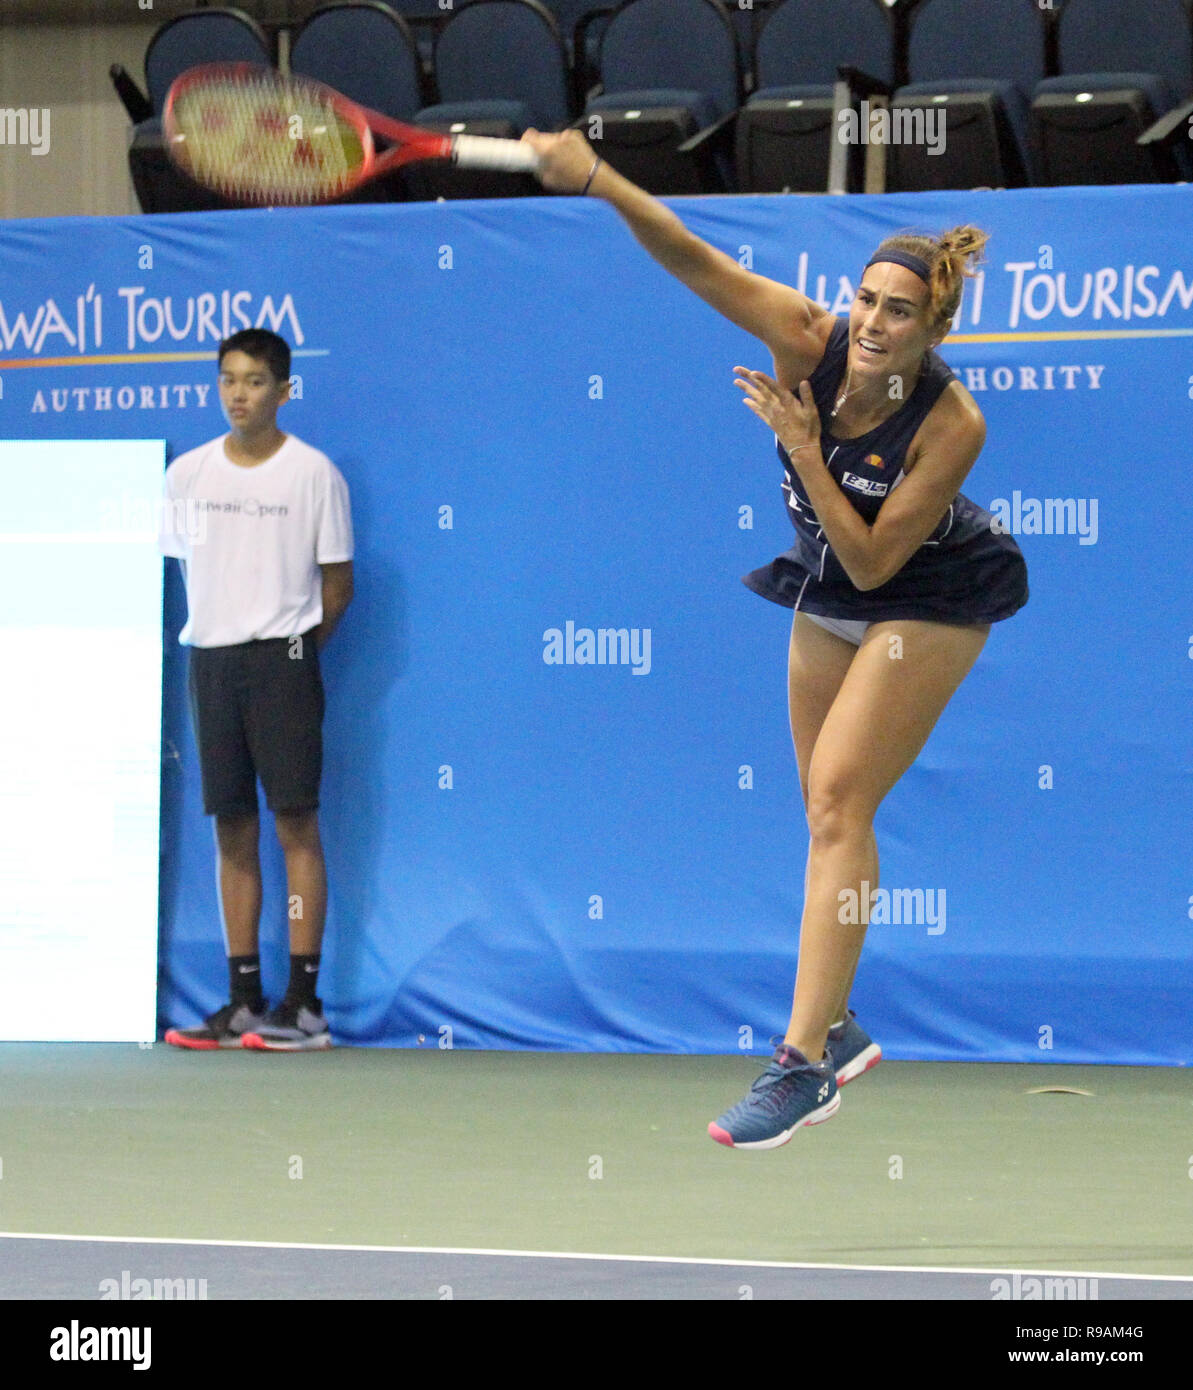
[[257, 711]]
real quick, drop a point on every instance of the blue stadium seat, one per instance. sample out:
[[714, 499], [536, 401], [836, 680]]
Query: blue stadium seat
[[500, 68], [425, 18], [568, 13], [1123, 64], [672, 83], [366, 51], [979, 64], [784, 132], [507, 54], [583, 63]]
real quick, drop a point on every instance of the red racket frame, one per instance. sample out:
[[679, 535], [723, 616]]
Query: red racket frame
[[412, 144]]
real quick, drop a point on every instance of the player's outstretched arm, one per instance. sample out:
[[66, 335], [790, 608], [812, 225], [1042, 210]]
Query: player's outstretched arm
[[779, 315]]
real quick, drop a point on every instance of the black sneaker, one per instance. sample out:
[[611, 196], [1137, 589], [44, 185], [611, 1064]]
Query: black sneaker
[[225, 1028], [291, 1027]]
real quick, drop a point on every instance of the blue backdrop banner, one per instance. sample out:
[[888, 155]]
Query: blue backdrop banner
[[560, 805]]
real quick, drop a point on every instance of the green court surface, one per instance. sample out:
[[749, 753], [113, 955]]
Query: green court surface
[[926, 1164]]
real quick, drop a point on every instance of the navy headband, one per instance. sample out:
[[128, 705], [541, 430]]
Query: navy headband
[[904, 258]]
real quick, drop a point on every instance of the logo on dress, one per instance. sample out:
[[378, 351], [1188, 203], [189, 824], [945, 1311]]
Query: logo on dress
[[867, 485], [873, 460]]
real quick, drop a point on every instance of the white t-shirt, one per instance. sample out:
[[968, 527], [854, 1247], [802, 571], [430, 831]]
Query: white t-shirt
[[253, 540]]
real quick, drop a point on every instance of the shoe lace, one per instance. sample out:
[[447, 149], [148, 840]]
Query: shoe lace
[[768, 1088]]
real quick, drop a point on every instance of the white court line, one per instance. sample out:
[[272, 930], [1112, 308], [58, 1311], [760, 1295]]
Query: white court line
[[586, 1255]]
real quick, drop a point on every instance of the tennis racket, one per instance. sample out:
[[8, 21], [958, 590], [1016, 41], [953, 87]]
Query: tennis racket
[[257, 137]]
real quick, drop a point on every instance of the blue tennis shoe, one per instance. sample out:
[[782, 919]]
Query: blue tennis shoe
[[852, 1049], [790, 1093]]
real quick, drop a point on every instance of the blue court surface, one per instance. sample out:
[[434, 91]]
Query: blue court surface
[[71, 1268]]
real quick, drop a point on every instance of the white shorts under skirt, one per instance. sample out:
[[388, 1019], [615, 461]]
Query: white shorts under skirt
[[850, 629]]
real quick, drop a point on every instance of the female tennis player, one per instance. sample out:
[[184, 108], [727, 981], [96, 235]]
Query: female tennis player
[[895, 577]]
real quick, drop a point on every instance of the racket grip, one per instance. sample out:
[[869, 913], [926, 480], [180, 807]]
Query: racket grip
[[489, 152]]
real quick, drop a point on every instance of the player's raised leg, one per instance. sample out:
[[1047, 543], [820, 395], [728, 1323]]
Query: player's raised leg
[[888, 702], [900, 681], [786, 1095], [817, 662]]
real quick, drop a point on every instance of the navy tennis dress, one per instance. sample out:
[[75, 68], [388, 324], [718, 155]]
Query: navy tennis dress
[[964, 573]]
